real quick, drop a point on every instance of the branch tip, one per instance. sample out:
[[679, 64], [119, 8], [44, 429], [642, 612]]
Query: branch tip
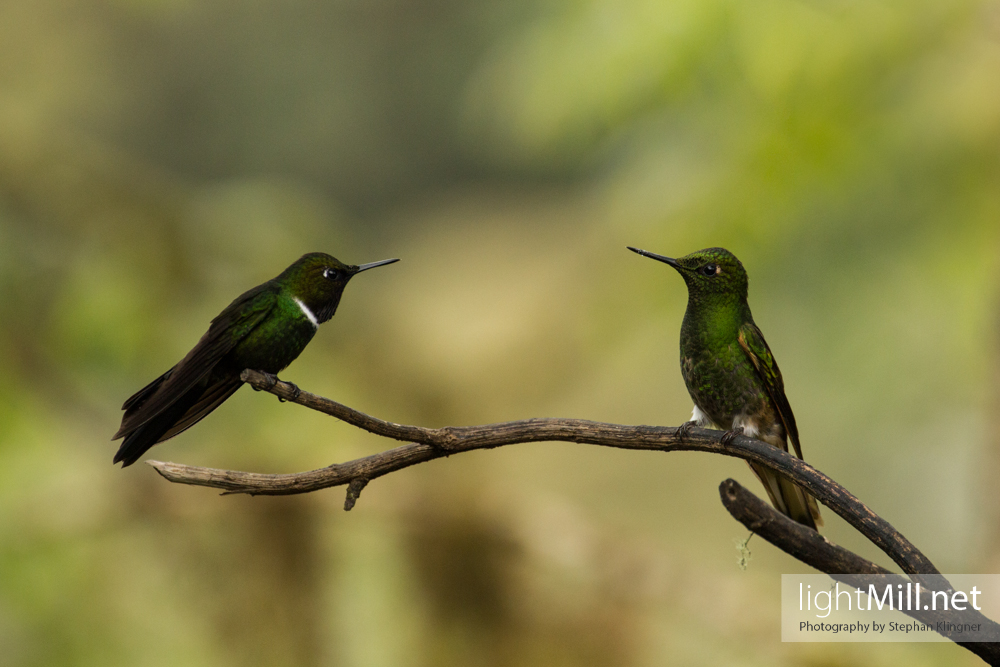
[[354, 492]]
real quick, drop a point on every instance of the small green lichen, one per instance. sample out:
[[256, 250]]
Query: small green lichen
[[745, 556]]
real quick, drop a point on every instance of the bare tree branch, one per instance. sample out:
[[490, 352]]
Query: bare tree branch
[[428, 444], [792, 537], [425, 444], [813, 549]]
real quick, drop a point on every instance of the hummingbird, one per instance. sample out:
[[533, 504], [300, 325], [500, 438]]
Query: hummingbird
[[730, 372], [264, 329]]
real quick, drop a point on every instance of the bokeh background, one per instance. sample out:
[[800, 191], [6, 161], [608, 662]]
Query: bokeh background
[[159, 157]]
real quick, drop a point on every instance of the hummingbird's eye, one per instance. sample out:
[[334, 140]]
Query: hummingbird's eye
[[709, 270], [330, 274]]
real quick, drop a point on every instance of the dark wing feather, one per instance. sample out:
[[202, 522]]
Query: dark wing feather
[[144, 436], [753, 343], [213, 397], [140, 397], [225, 332], [135, 403]]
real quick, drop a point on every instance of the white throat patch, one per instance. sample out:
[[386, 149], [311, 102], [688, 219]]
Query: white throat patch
[[305, 311]]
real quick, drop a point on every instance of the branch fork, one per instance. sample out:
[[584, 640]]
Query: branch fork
[[423, 444]]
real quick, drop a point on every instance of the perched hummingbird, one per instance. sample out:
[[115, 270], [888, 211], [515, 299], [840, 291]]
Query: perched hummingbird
[[730, 372], [264, 329]]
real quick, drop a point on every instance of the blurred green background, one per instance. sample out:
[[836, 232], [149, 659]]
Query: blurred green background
[[159, 157]]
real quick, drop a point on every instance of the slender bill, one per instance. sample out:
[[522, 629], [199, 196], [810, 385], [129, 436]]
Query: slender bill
[[652, 255], [372, 265]]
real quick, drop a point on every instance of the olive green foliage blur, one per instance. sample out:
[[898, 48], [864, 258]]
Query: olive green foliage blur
[[159, 157]]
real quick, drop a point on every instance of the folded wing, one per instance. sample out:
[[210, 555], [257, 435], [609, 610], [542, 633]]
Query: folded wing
[[786, 496]]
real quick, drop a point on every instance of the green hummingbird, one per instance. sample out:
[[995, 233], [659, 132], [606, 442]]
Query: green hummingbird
[[730, 372], [264, 329]]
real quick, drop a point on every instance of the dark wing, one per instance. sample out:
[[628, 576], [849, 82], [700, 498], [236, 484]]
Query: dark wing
[[212, 398], [141, 396], [183, 413], [753, 343], [226, 331]]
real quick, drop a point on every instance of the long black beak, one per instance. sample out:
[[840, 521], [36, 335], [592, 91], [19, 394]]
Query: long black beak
[[365, 267], [652, 255]]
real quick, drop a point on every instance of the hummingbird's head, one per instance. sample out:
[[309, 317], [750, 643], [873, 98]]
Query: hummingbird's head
[[709, 273], [317, 280]]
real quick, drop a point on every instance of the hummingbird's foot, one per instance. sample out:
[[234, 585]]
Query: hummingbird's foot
[[684, 430], [727, 437], [272, 380], [296, 392]]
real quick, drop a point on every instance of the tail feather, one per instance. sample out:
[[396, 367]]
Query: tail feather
[[186, 411], [135, 403], [789, 498], [138, 440]]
